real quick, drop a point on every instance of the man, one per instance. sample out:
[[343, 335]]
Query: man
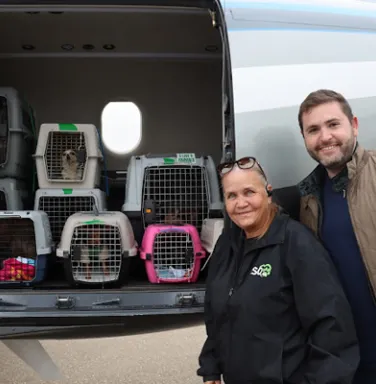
[[338, 202]]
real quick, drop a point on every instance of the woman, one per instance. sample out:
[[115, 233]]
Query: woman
[[275, 311]]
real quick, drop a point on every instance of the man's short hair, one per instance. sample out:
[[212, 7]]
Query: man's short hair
[[323, 96]]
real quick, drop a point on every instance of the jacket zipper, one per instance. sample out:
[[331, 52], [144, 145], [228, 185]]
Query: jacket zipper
[[238, 265]]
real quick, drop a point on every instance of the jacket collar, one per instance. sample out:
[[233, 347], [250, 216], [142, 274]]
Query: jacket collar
[[275, 234], [313, 182]]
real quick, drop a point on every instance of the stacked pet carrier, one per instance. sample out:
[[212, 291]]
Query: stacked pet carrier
[[97, 247], [68, 161], [25, 237], [168, 197], [17, 141]]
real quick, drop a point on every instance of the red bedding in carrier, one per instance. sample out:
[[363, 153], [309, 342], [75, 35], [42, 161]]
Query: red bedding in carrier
[[172, 253]]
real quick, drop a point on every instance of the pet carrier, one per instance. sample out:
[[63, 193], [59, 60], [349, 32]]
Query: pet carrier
[[97, 247], [211, 230], [17, 140], [25, 244], [59, 204], [172, 253], [68, 156], [13, 194], [177, 189]]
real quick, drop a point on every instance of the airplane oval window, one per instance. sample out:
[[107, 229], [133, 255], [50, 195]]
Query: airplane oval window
[[121, 126]]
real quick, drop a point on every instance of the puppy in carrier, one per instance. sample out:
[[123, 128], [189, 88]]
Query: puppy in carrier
[[71, 167], [95, 254]]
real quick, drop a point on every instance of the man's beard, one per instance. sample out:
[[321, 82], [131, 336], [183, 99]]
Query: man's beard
[[337, 161]]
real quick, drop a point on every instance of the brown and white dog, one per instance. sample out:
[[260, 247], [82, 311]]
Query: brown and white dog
[[71, 169]]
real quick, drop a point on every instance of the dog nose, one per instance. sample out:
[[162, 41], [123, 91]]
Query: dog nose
[[68, 157]]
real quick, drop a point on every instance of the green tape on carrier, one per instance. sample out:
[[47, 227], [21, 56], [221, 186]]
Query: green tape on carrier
[[67, 127]]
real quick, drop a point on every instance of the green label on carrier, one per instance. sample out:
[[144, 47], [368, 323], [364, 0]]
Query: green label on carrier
[[67, 127], [94, 222], [67, 191], [186, 158], [168, 160]]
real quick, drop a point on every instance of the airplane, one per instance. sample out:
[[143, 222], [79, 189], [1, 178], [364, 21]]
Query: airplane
[[223, 78]]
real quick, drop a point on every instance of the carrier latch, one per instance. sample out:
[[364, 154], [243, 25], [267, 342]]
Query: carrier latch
[[185, 299], [65, 302]]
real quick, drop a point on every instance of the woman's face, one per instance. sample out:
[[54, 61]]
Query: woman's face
[[246, 198]]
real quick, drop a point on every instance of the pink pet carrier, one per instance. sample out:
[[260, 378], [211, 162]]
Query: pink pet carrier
[[172, 253]]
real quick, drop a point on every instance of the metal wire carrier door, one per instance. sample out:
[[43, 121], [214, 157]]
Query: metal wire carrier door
[[59, 208], [96, 253], [173, 255], [175, 195], [65, 149]]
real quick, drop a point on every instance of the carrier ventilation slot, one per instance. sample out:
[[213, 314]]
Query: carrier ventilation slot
[[3, 130], [62, 150], [96, 253], [173, 251], [177, 194], [59, 208], [17, 250]]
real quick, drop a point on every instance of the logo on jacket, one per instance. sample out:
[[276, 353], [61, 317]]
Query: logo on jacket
[[263, 270]]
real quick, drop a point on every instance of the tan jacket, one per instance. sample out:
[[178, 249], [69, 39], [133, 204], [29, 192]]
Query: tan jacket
[[358, 182]]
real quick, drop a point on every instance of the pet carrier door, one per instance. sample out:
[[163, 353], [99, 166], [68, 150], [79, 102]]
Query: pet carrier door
[[97, 247], [172, 254]]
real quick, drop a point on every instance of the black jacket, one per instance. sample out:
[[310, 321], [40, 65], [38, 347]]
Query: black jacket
[[275, 311]]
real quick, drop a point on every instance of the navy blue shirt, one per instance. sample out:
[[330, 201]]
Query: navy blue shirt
[[338, 236]]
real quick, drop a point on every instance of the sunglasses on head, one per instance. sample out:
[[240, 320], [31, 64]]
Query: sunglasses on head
[[247, 162]]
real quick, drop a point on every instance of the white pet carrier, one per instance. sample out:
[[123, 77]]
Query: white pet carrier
[[211, 230], [13, 194], [172, 189], [97, 247], [68, 156], [17, 140], [25, 244], [59, 204]]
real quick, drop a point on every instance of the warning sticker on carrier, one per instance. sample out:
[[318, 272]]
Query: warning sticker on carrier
[[186, 158]]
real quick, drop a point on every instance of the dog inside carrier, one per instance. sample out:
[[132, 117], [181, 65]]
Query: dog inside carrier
[[172, 191], [172, 253], [60, 204], [24, 247], [65, 155], [68, 155], [97, 248]]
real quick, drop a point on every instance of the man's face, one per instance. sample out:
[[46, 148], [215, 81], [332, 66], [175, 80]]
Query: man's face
[[329, 136]]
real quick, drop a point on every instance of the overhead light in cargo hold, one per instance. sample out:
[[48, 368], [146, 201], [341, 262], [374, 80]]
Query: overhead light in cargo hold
[[108, 47], [28, 47], [88, 47], [67, 47], [211, 48]]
